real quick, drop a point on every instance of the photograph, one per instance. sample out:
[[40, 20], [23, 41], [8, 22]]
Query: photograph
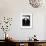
[[26, 21]]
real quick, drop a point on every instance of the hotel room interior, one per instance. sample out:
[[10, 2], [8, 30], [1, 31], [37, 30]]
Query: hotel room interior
[[22, 22]]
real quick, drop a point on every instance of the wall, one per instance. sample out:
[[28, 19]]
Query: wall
[[14, 8]]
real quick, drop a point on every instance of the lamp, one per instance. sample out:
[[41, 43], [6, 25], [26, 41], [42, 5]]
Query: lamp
[[35, 3]]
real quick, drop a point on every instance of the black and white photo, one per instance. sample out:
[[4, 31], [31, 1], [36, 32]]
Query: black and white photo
[[26, 21]]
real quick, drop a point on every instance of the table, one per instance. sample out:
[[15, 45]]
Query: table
[[27, 42]]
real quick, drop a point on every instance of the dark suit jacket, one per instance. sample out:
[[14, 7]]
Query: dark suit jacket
[[26, 22]]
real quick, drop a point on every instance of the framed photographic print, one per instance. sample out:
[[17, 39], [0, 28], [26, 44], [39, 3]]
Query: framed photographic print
[[26, 20]]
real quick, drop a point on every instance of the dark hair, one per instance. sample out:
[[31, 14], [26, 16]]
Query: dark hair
[[34, 35]]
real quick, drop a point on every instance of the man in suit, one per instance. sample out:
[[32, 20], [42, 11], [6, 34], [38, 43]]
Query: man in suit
[[26, 21]]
